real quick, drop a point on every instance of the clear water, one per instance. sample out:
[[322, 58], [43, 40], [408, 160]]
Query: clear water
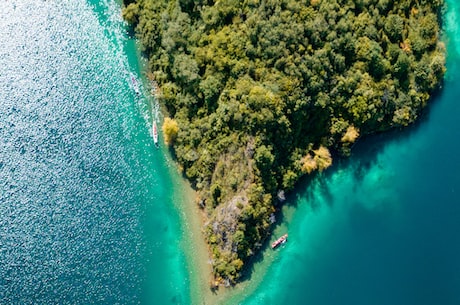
[[88, 206], [381, 228]]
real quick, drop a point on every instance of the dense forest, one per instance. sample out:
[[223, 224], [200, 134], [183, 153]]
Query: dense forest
[[262, 92]]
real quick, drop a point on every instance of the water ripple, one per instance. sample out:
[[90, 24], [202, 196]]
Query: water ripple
[[69, 223]]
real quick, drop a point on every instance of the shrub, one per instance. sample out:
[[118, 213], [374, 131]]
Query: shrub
[[170, 130]]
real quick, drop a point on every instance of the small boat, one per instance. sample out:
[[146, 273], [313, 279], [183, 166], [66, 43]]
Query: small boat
[[279, 241], [135, 84], [155, 133]]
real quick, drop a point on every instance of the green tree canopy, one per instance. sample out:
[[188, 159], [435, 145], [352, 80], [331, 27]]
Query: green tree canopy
[[266, 91]]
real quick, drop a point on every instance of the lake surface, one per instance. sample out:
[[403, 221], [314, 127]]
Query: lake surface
[[86, 213], [89, 208]]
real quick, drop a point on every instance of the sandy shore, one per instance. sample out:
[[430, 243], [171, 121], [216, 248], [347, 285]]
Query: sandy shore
[[197, 251], [194, 246], [192, 222]]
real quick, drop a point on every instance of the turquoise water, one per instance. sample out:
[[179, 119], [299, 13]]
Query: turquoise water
[[88, 206], [382, 227], [86, 213]]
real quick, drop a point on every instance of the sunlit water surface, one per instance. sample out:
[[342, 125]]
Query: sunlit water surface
[[85, 199]]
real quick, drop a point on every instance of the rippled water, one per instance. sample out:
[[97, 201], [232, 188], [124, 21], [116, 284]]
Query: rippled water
[[84, 194]]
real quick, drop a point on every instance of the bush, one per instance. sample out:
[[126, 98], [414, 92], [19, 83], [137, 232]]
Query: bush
[[170, 130], [322, 158], [350, 135]]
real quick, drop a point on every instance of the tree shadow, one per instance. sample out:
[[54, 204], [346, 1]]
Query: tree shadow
[[364, 156]]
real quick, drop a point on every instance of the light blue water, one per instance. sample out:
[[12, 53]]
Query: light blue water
[[86, 213], [383, 227]]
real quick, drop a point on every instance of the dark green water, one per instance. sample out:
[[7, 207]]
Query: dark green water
[[88, 207]]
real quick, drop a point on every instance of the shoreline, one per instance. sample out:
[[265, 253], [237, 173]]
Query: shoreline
[[196, 250], [193, 243]]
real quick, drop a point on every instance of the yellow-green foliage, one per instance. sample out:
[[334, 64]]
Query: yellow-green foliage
[[309, 164], [131, 12], [170, 129], [350, 135], [322, 158]]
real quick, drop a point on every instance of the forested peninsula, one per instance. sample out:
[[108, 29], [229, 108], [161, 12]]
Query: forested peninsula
[[262, 92]]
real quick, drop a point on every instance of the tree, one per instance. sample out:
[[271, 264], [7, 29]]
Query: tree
[[394, 26], [350, 135], [170, 130], [263, 91], [185, 70], [323, 158], [130, 13], [402, 66]]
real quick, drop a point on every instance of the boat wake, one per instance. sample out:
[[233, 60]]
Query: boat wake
[[155, 121]]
